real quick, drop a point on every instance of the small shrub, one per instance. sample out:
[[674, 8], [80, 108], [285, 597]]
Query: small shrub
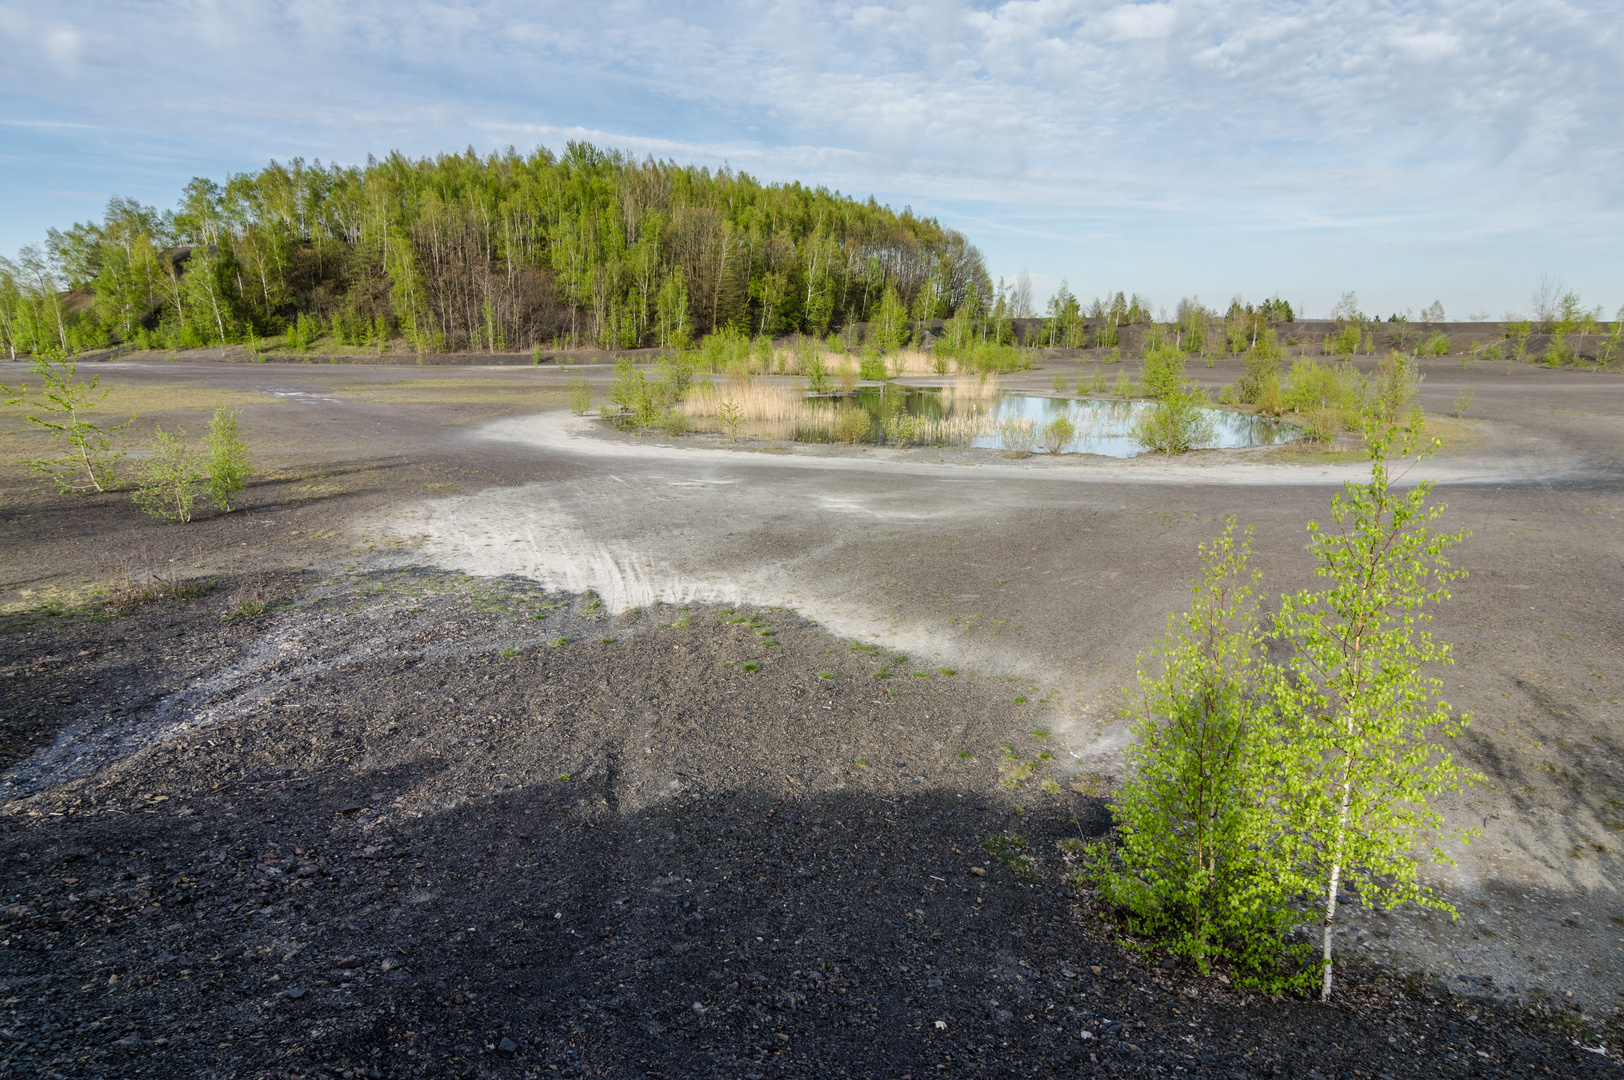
[[1161, 374], [228, 469], [1463, 402], [1123, 387], [1557, 353], [965, 755], [580, 395], [816, 372], [673, 422], [872, 367], [752, 666], [853, 426], [170, 480], [1314, 387], [1058, 433], [846, 373], [1018, 436], [1059, 383], [1436, 345], [1259, 375], [903, 429], [1010, 851], [1176, 424], [731, 417]]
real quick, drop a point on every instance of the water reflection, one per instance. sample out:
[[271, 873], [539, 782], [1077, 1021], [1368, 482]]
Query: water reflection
[[992, 421]]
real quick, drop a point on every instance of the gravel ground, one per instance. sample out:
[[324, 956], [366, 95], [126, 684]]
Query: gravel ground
[[415, 823]]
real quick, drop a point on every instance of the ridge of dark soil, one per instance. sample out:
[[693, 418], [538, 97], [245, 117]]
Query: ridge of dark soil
[[415, 824]]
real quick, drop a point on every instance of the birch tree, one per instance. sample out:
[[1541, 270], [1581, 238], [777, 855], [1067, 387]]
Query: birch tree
[[1357, 704]]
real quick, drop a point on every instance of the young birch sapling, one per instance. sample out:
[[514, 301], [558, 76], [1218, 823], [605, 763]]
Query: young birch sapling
[[1198, 869], [171, 479], [87, 460], [228, 468], [1356, 706]]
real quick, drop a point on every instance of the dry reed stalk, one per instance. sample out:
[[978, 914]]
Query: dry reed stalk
[[756, 401], [971, 392]]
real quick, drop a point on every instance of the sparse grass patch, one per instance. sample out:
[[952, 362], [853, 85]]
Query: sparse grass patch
[[826, 674], [1010, 851], [510, 652], [559, 641], [751, 666], [945, 671]]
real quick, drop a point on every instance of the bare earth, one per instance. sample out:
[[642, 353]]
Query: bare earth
[[219, 812]]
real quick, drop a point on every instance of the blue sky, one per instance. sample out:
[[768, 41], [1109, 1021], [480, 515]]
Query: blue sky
[[1408, 151]]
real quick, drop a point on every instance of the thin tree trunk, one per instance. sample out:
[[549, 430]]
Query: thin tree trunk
[[1330, 893]]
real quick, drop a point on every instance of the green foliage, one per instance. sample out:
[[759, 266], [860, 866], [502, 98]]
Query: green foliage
[[227, 452], [1259, 383], [86, 459], [903, 429], [1161, 373], [1252, 784], [1518, 332], [580, 392], [872, 366], [636, 399], [853, 426], [1463, 402], [1195, 870], [1320, 395], [1344, 341], [1356, 708], [888, 327], [1010, 851], [1018, 437], [1123, 387], [171, 479], [502, 252], [1176, 423], [1557, 353], [1436, 345], [1058, 433], [817, 374], [731, 417]]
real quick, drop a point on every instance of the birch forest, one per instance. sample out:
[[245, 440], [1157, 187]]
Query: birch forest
[[500, 253]]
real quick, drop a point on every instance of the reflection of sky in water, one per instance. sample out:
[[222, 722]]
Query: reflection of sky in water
[[1103, 427], [1106, 427]]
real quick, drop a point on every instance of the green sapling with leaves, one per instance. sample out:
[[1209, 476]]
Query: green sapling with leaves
[[228, 468], [172, 478], [1357, 708], [87, 460]]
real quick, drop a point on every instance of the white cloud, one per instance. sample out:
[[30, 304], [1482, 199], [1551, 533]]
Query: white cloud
[[1300, 120], [1136, 22]]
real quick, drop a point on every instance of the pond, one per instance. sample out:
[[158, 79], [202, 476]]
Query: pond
[[1001, 421]]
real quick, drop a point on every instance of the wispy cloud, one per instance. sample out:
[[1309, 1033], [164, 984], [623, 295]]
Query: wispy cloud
[[1186, 130]]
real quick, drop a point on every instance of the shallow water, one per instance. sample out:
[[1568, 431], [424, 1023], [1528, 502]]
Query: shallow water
[[1101, 427]]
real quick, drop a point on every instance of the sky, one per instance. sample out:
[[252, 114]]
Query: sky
[[1409, 152]]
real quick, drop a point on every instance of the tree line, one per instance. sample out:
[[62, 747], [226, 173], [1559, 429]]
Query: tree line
[[495, 253]]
